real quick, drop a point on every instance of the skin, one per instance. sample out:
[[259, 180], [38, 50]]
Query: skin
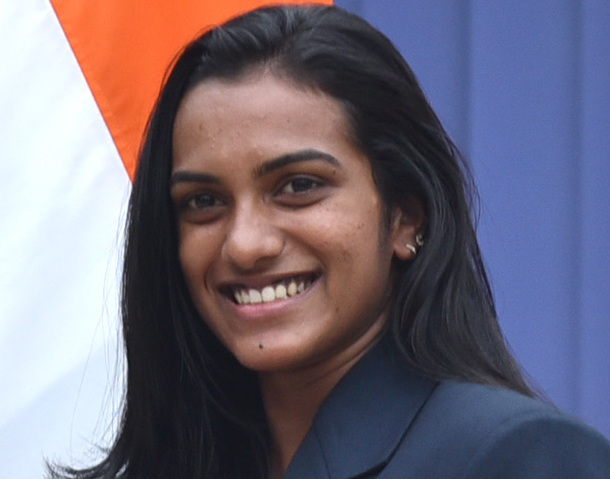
[[268, 185]]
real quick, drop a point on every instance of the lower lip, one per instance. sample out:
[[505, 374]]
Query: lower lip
[[252, 312]]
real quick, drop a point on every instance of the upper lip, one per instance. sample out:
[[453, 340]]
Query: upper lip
[[260, 281]]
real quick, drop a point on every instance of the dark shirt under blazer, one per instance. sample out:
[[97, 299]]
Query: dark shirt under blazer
[[384, 421]]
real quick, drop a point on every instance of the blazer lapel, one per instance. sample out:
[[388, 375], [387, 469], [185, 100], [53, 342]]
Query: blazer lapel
[[363, 420]]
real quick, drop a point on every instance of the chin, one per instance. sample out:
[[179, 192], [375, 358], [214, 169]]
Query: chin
[[266, 357]]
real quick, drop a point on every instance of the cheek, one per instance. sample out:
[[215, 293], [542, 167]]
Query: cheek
[[195, 256], [189, 271], [359, 248], [185, 250]]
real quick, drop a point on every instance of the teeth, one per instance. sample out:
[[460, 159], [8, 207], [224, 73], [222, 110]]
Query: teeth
[[255, 296], [280, 291], [268, 294], [271, 293]]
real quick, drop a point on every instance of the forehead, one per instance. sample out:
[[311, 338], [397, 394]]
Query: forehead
[[264, 81], [258, 111]]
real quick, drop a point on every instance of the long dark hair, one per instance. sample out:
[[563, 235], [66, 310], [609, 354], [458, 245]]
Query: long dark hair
[[191, 410]]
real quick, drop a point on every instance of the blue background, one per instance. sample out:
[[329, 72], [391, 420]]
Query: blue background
[[524, 89]]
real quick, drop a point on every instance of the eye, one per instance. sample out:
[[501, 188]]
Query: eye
[[202, 201], [300, 185], [301, 191], [199, 208]]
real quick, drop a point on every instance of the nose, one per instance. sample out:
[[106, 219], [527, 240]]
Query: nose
[[252, 240]]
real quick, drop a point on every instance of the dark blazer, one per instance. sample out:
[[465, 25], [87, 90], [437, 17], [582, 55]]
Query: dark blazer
[[384, 421]]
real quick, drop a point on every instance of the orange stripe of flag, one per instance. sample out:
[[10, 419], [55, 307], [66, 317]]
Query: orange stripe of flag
[[124, 48]]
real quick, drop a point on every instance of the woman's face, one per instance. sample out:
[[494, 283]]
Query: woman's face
[[283, 243]]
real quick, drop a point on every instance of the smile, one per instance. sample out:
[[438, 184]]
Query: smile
[[284, 289]]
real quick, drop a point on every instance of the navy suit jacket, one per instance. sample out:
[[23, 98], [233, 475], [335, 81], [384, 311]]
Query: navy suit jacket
[[384, 421]]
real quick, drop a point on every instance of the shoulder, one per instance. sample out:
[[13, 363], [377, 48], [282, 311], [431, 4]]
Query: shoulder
[[474, 431]]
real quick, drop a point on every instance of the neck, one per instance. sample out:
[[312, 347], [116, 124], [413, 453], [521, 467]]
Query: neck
[[292, 400], [291, 405]]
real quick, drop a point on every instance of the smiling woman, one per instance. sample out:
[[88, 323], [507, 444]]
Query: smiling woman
[[287, 204], [304, 295]]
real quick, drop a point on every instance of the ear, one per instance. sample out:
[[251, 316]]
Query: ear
[[406, 223]]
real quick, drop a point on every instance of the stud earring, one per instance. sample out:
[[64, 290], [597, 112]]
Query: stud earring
[[419, 239], [411, 248]]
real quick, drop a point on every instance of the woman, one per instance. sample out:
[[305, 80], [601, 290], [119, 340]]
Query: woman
[[303, 292]]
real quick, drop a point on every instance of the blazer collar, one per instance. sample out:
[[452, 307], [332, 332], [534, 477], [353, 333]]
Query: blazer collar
[[361, 423]]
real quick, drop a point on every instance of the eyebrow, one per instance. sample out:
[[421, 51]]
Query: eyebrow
[[265, 169], [192, 177], [296, 157]]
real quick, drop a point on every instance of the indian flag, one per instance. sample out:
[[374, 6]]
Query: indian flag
[[78, 80]]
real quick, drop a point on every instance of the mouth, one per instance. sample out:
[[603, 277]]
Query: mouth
[[277, 291]]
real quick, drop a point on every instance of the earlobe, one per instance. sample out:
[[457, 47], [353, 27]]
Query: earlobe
[[407, 231], [406, 242]]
